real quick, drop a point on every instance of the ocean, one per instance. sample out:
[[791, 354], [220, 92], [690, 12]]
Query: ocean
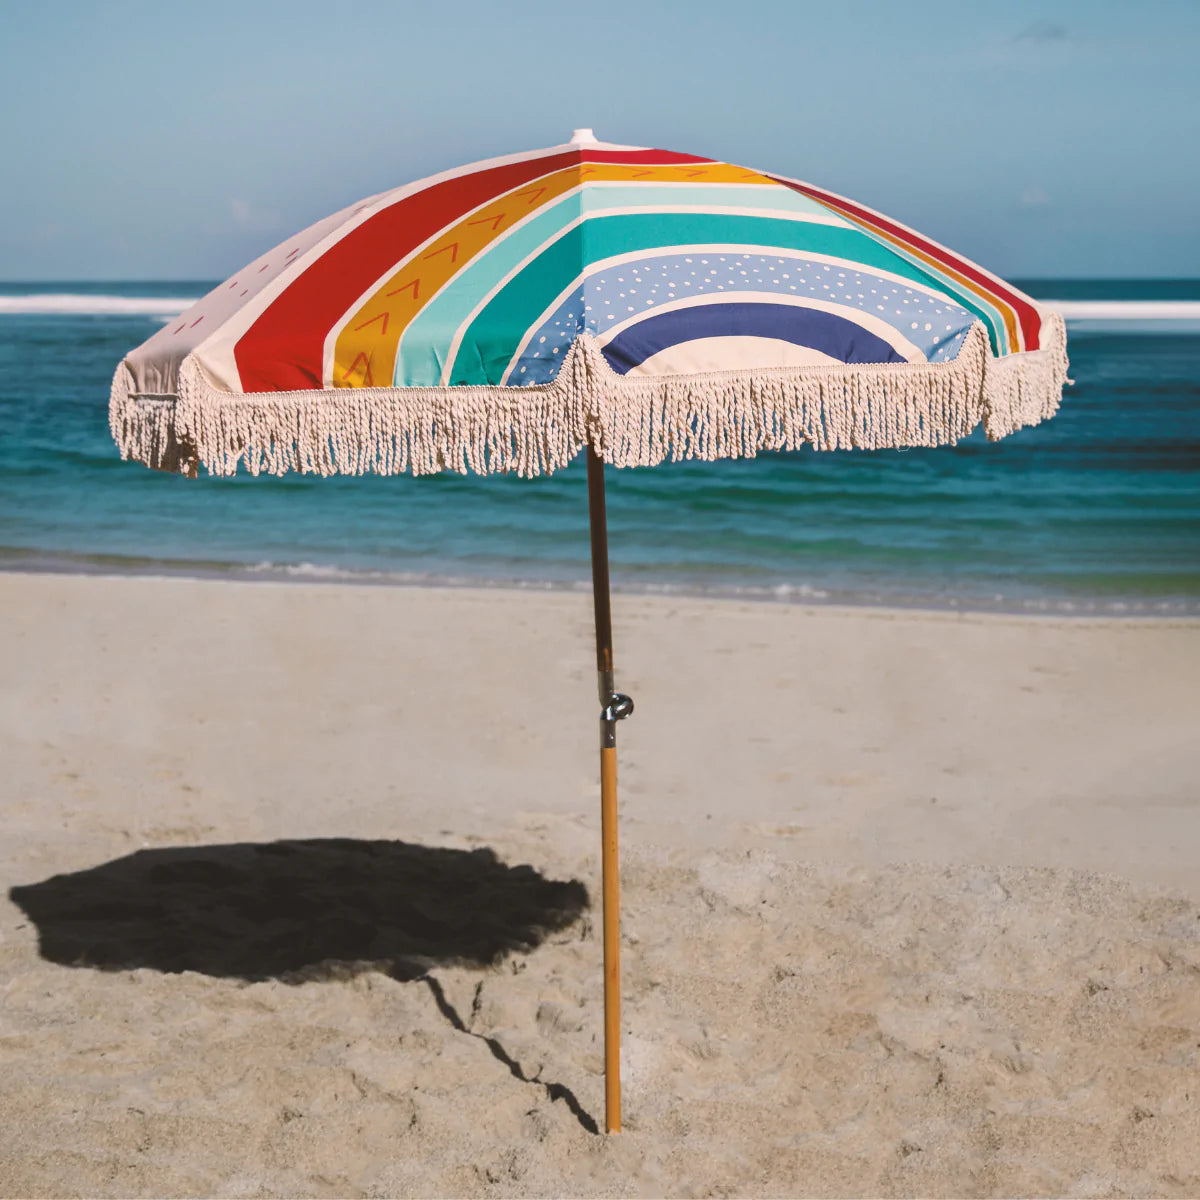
[[1094, 513]]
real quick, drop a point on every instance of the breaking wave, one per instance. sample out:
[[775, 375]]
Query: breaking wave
[[82, 304]]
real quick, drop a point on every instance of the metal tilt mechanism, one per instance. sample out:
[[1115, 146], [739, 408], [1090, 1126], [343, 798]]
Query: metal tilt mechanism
[[614, 707]]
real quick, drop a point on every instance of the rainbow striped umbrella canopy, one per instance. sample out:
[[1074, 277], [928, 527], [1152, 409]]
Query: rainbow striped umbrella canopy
[[641, 303], [653, 305]]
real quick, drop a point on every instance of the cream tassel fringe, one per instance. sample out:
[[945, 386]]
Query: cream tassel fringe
[[632, 421], [1023, 389]]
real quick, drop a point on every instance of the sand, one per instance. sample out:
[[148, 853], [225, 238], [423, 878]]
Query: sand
[[301, 879]]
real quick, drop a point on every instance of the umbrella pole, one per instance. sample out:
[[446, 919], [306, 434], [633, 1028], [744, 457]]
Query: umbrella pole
[[613, 708]]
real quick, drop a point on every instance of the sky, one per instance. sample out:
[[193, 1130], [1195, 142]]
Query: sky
[[163, 141]]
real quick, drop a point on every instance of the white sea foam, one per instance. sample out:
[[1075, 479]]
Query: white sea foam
[[85, 304], [1126, 310], [308, 570], [82, 304]]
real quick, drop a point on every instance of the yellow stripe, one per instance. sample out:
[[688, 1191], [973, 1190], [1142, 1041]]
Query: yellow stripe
[[365, 350]]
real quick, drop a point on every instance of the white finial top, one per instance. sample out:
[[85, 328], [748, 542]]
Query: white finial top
[[582, 137]]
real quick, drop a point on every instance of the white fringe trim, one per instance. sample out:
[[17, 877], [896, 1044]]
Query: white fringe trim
[[1023, 389], [631, 421]]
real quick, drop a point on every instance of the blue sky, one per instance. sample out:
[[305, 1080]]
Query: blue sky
[[145, 140]]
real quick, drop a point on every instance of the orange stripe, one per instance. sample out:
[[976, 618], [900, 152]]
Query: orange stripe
[[367, 342]]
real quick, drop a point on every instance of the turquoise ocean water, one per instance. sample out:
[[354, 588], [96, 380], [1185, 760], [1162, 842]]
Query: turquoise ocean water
[[1097, 511]]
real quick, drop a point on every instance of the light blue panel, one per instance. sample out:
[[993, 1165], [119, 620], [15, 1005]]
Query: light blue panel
[[615, 294]]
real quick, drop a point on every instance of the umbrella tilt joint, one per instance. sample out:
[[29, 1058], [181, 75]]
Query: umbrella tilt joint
[[614, 706]]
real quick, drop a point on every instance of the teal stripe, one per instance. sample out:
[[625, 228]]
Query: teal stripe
[[494, 336], [426, 342]]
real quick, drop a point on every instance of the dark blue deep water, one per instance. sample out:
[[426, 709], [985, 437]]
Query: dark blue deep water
[[1096, 511]]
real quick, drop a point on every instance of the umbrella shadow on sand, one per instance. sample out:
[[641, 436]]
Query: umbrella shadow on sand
[[299, 911]]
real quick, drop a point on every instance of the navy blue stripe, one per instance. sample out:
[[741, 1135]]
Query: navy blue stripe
[[835, 336]]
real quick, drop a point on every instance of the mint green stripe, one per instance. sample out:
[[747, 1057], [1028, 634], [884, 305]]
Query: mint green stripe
[[494, 336], [426, 342]]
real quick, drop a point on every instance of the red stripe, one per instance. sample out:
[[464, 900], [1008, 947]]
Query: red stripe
[[1029, 317], [283, 350]]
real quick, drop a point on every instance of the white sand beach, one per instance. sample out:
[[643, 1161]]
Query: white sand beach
[[911, 900]]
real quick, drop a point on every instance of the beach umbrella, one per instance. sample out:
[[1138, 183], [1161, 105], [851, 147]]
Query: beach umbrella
[[635, 304]]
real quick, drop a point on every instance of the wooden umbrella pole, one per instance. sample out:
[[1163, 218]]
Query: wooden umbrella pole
[[613, 707]]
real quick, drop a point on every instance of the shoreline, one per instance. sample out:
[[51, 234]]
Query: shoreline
[[786, 595]]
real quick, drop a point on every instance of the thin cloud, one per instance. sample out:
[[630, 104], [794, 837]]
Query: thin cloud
[[246, 216], [1043, 31]]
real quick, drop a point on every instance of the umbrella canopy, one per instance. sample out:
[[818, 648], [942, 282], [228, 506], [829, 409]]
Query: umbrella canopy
[[654, 305], [641, 303]]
